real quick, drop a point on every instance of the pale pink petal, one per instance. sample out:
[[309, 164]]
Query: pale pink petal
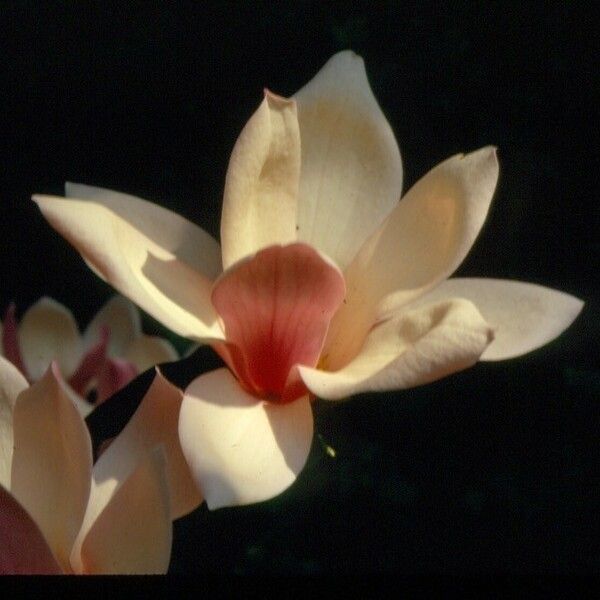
[[114, 375], [351, 175], [147, 350], [276, 308], [11, 348], [416, 347], [524, 316], [261, 187], [154, 423], [23, 549], [52, 462], [185, 240], [132, 534], [421, 243], [241, 450], [48, 331], [12, 383], [153, 277], [122, 319]]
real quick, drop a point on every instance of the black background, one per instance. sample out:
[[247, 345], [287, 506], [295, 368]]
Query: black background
[[493, 469]]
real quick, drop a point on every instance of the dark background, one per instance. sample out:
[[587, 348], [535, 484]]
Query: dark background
[[493, 469]]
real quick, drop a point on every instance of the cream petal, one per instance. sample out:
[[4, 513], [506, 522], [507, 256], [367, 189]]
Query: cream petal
[[413, 348], [175, 234], [24, 549], [12, 383], [147, 350], [154, 278], [241, 450], [524, 316], [154, 423], [122, 319], [351, 175], [132, 534], [48, 331], [261, 187], [52, 462], [421, 243]]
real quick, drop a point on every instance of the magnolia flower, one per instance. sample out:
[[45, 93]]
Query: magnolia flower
[[325, 284], [60, 514], [109, 354]]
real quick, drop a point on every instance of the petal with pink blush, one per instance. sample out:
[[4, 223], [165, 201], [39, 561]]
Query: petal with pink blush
[[24, 549], [413, 348], [122, 319], [154, 423], [52, 462], [241, 450], [90, 365], [261, 187], [276, 309], [11, 348], [115, 374], [132, 534], [48, 332], [12, 383]]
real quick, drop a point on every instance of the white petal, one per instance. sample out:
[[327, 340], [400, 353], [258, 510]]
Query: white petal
[[48, 331], [240, 449], [164, 286], [170, 231], [148, 350], [122, 318], [154, 423], [52, 462], [351, 175], [12, 383], [416, 347], [420, 244], [524, 316], [133, 532], [261, 187]]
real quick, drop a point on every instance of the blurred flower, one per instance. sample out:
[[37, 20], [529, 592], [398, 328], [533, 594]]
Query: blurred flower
[[109, 354], [60, 514], [330, 286]]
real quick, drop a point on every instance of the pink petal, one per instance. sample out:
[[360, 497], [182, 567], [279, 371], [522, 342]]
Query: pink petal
[[115, 374], [276, 309], [24, 549]]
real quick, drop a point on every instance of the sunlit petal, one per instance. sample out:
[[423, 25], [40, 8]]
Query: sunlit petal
[[48, 331], [241, 450], [132, 533], [524, 316], [185, 240], [416, 347], [137, 266], [52, 462], [12, 383], [261, 187], [351, 174], [420, 244], [154, 423]]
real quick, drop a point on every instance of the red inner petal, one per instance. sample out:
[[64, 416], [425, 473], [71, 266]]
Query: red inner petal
[[276, 308]]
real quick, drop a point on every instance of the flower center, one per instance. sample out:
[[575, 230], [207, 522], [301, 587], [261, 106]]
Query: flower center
[[276, 307]]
